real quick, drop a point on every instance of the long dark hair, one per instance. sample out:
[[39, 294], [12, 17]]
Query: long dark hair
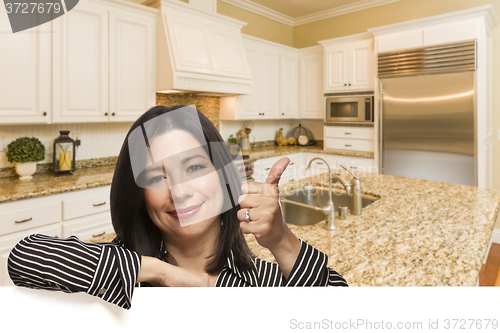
[[129, 215]]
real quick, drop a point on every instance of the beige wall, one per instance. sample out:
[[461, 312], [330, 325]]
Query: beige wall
[[258, 26], [309, 35]]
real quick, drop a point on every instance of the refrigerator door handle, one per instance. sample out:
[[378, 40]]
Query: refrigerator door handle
[[381, 137]]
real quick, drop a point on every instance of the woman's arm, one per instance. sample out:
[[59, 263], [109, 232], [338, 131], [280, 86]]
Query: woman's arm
[[105, 270], [309, 269], [162, 274]]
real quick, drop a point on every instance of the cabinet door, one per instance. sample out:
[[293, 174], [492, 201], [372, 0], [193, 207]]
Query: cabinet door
[[132, 56], [400, 41], [361, 67], [24, 74], [312, 102], [289, 86], [80, 65], [249, 106], [336, 68], [270, 92]]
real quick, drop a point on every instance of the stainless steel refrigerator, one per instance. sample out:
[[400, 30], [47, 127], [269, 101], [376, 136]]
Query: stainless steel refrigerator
[[427, 126]]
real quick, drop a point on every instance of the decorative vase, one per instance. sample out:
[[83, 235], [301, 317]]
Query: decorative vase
[[25, 170]]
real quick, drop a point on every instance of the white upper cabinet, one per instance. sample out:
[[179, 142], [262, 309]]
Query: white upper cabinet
[[81, 65], [275, 74], [289, 85], [24, 74], [132, 77], [336, 68], [312, 102], [349, 63], [103, 63]]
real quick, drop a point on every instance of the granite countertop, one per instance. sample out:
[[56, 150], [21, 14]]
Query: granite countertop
[[270, 151]]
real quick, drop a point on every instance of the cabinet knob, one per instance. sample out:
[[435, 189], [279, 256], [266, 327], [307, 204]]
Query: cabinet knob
[[106, 114], [113, 114], [282, 114], [349, 84], [44, 114], [345, 84], [263, 113]]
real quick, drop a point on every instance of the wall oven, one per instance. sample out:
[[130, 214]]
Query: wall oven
[[350, 107]]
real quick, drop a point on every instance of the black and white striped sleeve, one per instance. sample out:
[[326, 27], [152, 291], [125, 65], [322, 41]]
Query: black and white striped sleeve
[[105, 270], [310, 269]]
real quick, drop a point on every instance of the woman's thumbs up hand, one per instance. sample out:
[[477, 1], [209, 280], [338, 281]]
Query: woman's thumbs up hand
[[262, 200]]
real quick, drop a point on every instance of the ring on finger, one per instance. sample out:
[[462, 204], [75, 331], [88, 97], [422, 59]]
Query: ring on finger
[[247, 215]]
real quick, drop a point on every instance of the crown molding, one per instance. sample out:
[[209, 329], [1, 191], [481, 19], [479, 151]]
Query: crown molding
[[256, 8], [261, 10], [486, 11]]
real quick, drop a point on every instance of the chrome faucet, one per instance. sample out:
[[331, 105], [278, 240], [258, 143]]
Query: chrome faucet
[[353, 190], [329, 210]]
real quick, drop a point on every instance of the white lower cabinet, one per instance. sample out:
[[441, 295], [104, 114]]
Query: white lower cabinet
[[89, 227], [83, 213]]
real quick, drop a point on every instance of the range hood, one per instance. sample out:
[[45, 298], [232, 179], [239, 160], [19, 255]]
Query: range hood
[[199, 51]]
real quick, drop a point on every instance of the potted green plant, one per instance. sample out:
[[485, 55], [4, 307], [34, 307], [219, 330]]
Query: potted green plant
[[25, 152]]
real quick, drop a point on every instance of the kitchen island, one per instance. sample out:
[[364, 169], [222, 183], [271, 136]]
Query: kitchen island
[[418, 233]]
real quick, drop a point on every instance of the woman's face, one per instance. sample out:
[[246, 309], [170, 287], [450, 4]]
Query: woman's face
[[191, 201]]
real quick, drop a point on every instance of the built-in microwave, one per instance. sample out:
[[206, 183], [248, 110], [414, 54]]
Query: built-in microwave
[[349, 108]]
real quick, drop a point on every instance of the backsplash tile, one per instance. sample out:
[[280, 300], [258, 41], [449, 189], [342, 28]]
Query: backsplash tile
[[208, 105]]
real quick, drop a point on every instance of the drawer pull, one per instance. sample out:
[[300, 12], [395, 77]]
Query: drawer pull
[[291, 180], [102, 233], [319, 162], [353, 167], [292, 163], [347, 133], [347, 145], [25, 220], [268, 168], [100, 204]]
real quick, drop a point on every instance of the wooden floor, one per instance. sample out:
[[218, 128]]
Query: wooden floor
[[490, 272]]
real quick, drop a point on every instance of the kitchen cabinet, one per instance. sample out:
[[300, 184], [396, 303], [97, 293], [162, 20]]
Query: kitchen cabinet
[[84, 213], [103, 63], [349, 63], [428, 35], [25, 86], [311, 98], [292, 173], [275, 75], [349, 138]]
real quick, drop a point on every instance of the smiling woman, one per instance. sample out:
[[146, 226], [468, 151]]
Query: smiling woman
[[180, 212]]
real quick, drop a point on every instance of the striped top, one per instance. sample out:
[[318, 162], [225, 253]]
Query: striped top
[[109, 270]]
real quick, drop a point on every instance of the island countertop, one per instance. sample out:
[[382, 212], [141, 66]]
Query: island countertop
[[419, 233]]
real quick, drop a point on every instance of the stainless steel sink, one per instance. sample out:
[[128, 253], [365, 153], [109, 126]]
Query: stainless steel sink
[[299, 206]]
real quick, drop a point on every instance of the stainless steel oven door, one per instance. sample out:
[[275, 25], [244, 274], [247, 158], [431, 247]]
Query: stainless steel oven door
[[348, 109]]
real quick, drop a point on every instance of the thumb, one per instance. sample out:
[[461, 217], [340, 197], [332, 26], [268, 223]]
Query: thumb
[[277, 170]]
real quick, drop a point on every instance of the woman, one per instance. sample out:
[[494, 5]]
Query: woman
[[179, 213]]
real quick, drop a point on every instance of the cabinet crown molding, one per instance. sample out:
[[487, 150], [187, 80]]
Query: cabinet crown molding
[[487, 12]]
